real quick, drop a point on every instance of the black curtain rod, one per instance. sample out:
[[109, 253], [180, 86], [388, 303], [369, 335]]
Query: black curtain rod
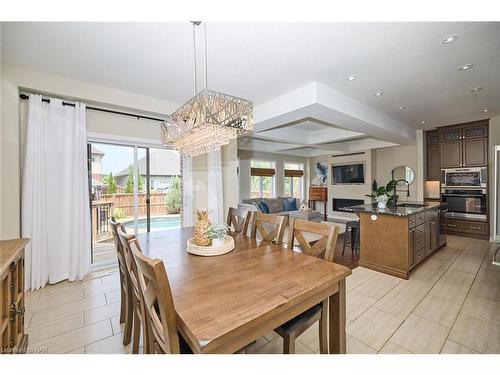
[[46, 100]]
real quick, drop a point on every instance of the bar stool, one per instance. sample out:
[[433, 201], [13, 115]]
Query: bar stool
[[353, 227]]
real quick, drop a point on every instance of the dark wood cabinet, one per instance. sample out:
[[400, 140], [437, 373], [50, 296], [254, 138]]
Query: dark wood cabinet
[[475, 152], [433, 157], [450, 135], [318, 194], [451, 154], [469, 228], [424, 236], [464, 145], [476, 131]]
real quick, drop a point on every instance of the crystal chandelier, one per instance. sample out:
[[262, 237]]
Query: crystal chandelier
[[207, 121]]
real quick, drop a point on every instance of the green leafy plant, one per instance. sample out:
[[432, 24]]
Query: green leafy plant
[[217, 231], [118, 213], [173, 197], [110, 183], [129, 184], [379, 191]]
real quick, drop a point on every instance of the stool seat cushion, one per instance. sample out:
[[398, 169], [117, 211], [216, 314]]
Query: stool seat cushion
[[352, 224]]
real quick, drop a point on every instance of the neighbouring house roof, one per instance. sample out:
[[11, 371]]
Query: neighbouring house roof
[[161, 163], [97, 183], [96, 151]]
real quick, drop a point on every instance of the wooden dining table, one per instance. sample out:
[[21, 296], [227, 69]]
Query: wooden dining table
[[225, 302]]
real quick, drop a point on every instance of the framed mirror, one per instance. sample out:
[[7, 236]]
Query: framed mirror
[[403, 172]]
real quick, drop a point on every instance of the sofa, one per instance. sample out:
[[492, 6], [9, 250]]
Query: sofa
[[276, 205]]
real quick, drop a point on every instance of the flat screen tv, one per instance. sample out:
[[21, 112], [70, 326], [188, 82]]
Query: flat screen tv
[[348, 174]]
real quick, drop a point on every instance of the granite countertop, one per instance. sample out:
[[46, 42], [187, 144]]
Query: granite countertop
[[398, 210]]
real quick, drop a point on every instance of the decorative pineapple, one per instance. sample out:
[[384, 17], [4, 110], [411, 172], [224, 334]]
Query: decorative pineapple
[[200, 229]]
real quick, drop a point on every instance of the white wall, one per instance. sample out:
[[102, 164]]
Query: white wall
[[16, 79], [346, 191], [391, 157], [378, 165], [244, 158]]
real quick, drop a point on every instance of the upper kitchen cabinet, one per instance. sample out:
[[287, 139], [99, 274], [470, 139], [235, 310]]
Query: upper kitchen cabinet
[[475, 152], [464, 145], [450, 135], [433, 165]]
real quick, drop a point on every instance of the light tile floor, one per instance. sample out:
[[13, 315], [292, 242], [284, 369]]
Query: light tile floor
[[451, 304]]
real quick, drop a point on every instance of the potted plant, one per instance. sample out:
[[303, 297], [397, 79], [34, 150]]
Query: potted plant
[[217, 233], [383, 194]]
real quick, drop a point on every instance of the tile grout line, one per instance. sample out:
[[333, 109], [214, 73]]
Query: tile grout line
[[404, 320], [463, 303]]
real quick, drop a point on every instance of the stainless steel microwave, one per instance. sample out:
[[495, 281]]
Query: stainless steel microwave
[[464, 177]]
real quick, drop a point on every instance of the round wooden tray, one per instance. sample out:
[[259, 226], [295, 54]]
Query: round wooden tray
[[209, 251]]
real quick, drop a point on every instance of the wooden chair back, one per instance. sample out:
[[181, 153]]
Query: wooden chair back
[[133, 276], [277, 223], [158, 301], [323, 247], [239, 219], [122, 267], [129, 261]]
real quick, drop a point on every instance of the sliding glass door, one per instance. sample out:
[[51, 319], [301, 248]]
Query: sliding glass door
[[138, 186]]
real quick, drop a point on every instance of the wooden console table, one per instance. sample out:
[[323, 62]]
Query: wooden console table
[[13, 338], [318, 194]]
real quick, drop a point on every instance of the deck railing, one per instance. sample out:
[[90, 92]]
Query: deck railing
[[101, 211]]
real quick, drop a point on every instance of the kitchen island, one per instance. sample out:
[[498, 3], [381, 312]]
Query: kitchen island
[[396, 239]]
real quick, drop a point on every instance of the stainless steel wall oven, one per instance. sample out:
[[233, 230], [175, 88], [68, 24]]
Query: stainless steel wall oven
[[466, 203]]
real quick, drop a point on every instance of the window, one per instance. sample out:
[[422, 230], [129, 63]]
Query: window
[[262, 179], [115, 191], [294, 180]]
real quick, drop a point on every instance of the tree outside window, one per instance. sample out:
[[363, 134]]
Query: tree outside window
[[262, 185], [293, 183]]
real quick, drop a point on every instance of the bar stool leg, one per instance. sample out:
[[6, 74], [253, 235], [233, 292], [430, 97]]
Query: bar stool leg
[[353, 239], [345, 240], [358, 241]]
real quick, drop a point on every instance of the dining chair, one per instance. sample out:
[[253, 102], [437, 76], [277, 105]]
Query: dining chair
[[161, 317], [323, 246], [158, 303], [139, 316], [270, 227], [126, 306], [239, 218]]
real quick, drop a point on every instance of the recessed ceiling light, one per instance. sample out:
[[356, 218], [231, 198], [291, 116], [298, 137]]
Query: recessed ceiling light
[[380, 93], [351, 78], [475, 89], [401, 107], [423, 122], [465, 67], [450, 39], [486, 110]]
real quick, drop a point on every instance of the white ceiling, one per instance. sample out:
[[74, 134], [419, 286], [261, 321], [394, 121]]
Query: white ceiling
[[262, 61]]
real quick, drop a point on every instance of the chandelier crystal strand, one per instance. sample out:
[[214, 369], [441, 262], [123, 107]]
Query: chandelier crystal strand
[[207, 121]]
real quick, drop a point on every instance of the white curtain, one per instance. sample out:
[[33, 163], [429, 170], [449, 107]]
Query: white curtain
[[215, 194], [55, 196]]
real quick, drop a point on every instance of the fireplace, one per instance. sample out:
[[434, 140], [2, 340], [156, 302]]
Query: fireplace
[[338, 203]]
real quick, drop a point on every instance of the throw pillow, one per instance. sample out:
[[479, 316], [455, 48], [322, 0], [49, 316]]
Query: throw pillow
[[290, 204], [263, 207]]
